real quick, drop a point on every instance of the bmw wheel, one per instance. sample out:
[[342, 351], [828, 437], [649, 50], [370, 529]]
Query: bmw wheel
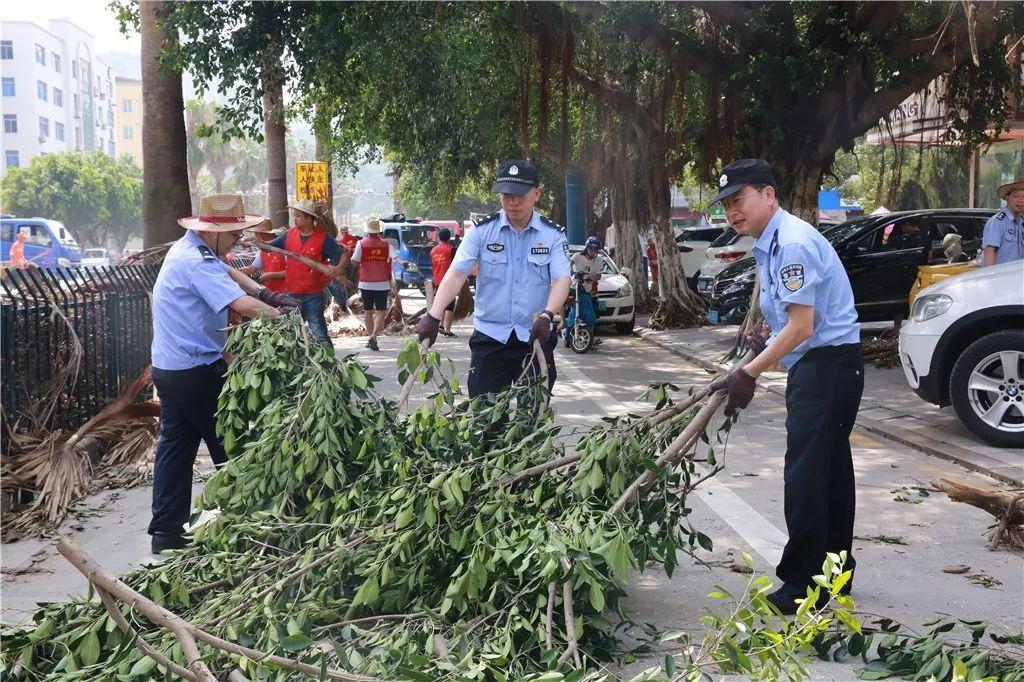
[[987, 388]]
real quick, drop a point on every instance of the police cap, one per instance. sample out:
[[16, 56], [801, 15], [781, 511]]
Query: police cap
[[517, 176], [743, 172]]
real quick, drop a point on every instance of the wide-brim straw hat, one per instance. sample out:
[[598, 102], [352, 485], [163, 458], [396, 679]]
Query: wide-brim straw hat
[[307, 206], [221, 213], [373, 226], [1004, 190], [266, 227]]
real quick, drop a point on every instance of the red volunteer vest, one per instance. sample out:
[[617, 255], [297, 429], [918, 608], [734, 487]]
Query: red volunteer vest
[[373, 261], [299, 278], [441, 256], [348, 242], [274, 262]]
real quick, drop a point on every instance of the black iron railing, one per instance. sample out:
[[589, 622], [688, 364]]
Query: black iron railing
[[70, 338]]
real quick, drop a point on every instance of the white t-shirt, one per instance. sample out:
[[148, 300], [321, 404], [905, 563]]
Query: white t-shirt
[[590, 267], [374, 286]]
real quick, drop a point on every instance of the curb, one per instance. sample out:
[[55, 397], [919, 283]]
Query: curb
[[951, 453]]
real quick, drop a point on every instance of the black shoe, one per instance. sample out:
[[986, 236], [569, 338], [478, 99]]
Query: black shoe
[[163, 541], [445, 332], [372, 344]]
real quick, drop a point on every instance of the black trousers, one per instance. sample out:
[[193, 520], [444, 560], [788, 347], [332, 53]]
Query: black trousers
[[822, 398], [188, 414], [494, 366]]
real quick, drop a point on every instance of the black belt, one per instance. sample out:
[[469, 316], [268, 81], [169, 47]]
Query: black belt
[[831, 351]]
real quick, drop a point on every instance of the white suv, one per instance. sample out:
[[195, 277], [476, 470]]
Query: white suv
[[964, 346]]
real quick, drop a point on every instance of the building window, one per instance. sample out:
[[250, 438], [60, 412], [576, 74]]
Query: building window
[[11, 158], [78, 137], [58, 97], [56, 62], [129, 132], [99, 83], [126, 106], [8, 87], [44, 126], [110, 89], [10, 123], [41, 90], [40, 55], [110, 118], [74, 68], [74, 99], [58, 131], [6, 49], [110, 147]]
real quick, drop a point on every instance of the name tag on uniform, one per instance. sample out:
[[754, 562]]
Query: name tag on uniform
[[792, 276], [540, 250], [495, 247]]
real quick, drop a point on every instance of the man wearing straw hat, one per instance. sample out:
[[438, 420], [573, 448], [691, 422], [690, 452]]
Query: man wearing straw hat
[[1003, 239], [191, 298], [305, 284], [373, 255], [270, 264]]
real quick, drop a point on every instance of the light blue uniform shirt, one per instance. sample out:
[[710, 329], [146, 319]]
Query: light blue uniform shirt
[[1006, 234], [190, 301], [797, 265], [515, 275]]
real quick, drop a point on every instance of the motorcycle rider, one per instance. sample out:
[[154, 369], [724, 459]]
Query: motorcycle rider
[[587, 266]]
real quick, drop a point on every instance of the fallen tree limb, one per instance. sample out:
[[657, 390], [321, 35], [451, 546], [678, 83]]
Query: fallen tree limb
[[186, 633], [1005, 505], [319, 267]]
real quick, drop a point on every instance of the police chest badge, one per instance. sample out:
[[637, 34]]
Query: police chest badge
[[792, 276], [495, 247], [540, 250]]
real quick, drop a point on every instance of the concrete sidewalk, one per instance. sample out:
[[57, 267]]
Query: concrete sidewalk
[[889, 407]]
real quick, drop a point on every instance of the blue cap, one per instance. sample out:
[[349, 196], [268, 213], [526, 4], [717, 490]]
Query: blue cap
[[593, 243]]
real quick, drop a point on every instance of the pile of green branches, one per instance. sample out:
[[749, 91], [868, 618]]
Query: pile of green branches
[[463, 540]]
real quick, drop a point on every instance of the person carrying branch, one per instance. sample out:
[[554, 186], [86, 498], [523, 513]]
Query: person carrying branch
[[301, 281], [523, 277], [807, 302], [441, 257], [191, 298], [267, 267]]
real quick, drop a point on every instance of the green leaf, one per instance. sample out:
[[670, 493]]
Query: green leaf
[[89, 649], [296, 642], [142, 666], [596, 596]]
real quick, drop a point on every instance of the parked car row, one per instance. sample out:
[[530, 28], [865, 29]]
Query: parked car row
[[881, 255]]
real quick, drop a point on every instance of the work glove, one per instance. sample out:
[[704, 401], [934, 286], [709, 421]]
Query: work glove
[[739, 386], [757, 342], [541, 330], [277, 299], [426, 328]]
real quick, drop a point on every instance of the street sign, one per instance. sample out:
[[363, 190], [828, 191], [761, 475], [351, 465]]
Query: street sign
[[311, 180]]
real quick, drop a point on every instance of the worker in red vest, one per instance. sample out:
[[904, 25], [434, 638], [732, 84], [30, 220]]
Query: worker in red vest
[[374, 255], [301, 281], [652, 259], [441, 257], [268, 267]]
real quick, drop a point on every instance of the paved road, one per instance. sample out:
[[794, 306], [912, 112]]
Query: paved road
[[741, 509]]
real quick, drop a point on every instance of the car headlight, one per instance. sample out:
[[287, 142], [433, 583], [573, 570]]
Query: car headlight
[[929, 306], [626, 290], [747, 276]]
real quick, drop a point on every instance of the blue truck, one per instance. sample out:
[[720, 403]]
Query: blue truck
[[48, 243]]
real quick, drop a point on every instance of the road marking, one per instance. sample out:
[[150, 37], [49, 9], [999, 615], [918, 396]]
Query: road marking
[[757, 531]]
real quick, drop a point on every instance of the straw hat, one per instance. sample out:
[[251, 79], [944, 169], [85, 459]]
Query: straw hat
[[307, 206], [1005, 190], [373, 226], [266, 227], [221, 213]]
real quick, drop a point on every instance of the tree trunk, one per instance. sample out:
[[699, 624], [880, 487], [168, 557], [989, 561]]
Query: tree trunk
[[274, 130], [165, 189], [798, 193], [321, 155], [621, 193]]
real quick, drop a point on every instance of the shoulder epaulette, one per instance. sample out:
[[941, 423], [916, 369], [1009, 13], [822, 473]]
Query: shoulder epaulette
[[487, 218], [1000, 216], [208, 254], [551, 223]]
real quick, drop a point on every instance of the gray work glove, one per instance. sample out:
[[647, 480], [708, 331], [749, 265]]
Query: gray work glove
[[277, 299]]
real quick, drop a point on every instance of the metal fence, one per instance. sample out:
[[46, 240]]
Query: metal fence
[[70, 338]]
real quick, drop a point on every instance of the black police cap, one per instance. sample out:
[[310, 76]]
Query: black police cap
[[743, 172], [517, 176]]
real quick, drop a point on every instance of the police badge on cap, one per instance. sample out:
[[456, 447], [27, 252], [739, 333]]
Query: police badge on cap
[[743, 172], [517, 176]]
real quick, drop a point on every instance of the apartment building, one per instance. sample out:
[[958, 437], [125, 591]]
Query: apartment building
[[129, 113]]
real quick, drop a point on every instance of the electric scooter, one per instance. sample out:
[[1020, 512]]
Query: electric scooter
[[580, 318]]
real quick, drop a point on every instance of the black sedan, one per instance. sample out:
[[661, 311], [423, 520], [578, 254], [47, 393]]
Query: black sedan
[[881, 255]]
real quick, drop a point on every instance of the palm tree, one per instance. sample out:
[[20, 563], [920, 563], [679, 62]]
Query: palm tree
[[274, 130], [196, 116], [165, 195]]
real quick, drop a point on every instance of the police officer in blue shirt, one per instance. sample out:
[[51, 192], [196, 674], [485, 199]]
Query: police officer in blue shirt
[[523, 277], [1003, 239], [191, 298], [807, 302]]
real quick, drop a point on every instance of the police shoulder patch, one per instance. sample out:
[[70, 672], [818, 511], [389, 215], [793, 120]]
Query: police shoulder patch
[[792, 276], [208, 254], [495, 247], [486, 219], [1000, 216]]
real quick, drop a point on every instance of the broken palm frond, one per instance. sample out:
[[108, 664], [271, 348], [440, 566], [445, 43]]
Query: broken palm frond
[[153, 254], [461, 540], [113, 454], [1007, 506], [463, 303], [121, 407]]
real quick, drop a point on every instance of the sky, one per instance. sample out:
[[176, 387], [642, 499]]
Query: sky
[[91, 15]]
